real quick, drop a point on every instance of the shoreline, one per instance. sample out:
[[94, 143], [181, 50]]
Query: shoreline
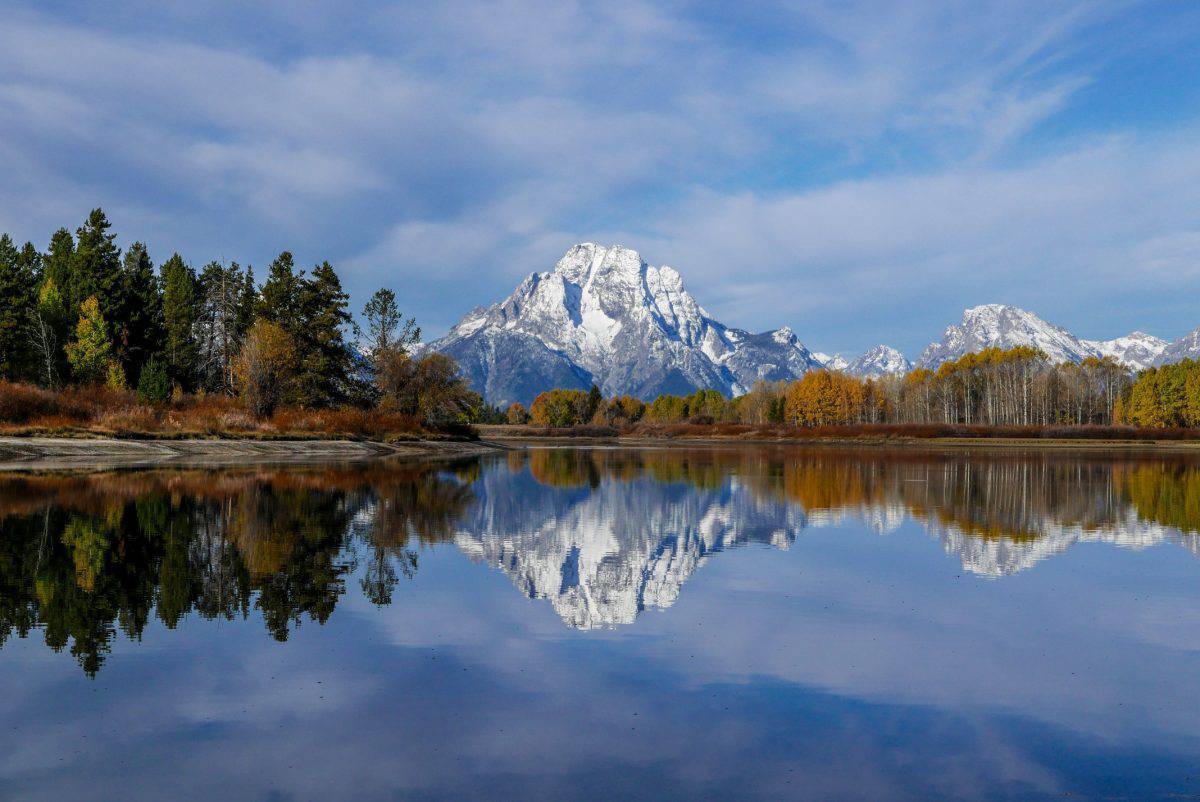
[[29, 454], [511, 436]]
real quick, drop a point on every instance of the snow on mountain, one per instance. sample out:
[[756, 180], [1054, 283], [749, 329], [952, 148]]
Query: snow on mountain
[[1186, 347], [1137, 350], [882, 360], [835, 362], [604, 316], [1001, 326]]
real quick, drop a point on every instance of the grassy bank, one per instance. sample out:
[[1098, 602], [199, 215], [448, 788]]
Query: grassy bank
[[31, 411]]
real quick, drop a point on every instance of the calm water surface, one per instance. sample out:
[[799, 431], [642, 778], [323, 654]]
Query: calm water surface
[[568, 623]]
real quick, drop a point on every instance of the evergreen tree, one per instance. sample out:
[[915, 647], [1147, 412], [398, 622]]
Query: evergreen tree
[[91, 352], [96, 268], [326, 361], [180, 310], [141, 320], [248, 303], [58, 266], [386, 327], [17, 287], [59, 259], [31, 262], [280, 300], [154, 385]]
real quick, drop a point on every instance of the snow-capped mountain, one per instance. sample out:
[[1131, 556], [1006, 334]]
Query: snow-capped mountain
[[604, 316], [835, 362], [882, 360], [1001, 326], [1186, 347], [1137, 350]]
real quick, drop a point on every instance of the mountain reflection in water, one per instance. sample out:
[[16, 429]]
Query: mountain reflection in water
[[602, 534]]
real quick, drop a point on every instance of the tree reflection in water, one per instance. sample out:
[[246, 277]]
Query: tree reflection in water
[[85, 556], [603, 533]]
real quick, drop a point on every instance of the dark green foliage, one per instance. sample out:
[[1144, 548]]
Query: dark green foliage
[[140, 323], [17, 297], [326, 361], [58, 266], [154, 385], [194, 327], [180, 311], [247, 307], [279, 301], [96, 269]]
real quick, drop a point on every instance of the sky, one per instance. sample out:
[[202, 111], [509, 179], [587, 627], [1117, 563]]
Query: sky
[[859, 171]]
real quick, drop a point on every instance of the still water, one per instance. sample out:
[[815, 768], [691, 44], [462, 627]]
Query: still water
[[750, 622]]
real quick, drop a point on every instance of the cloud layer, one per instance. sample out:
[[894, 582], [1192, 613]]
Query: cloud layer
[[858, 171]]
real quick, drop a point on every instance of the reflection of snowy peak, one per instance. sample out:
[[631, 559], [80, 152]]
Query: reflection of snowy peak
[[603, 315], [603, 555], [999, 557]]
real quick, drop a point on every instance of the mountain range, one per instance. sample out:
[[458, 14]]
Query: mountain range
[[604, 316]]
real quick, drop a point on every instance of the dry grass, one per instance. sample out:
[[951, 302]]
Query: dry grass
[[28, 410]]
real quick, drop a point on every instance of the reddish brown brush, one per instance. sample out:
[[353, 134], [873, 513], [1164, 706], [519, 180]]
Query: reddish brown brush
[[30, 410]]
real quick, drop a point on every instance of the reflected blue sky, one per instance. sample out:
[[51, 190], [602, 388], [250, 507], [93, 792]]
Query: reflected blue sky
[[855, 663]]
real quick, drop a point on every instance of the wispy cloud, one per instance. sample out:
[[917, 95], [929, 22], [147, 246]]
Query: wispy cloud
[[833, 149]]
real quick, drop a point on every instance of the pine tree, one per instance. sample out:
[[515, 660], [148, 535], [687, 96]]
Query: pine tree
[[141, 320], [248, 303], [280, 299], [180, 308], [154, 385], [17, 285], [58, 266], [96, 268], [31, 262], [326, 361], [91, 352]]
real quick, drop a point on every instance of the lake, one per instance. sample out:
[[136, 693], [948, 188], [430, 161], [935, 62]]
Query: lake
[[568, 623]]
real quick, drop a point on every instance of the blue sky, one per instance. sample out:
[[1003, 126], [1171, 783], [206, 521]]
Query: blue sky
[[860, 171]]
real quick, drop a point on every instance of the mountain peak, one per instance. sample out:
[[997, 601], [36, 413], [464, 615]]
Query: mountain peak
[[605, 316], [882, 360]]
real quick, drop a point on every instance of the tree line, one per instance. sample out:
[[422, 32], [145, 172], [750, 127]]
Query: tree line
[[85, 312], [999, 387]]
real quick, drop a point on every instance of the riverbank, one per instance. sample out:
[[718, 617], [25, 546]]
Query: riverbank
[[67, 453], [1085, 437]]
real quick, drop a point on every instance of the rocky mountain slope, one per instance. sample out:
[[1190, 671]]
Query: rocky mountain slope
[[878, 361], [1186, 347], [604, 316], [1001, 326]]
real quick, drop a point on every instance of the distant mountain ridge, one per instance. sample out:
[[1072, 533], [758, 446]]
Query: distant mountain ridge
[[1001, 326], [604, 316]]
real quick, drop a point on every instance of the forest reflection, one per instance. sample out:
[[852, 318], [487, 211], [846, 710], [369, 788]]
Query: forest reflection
[[602, 532], [1011, 494], [86, 556]]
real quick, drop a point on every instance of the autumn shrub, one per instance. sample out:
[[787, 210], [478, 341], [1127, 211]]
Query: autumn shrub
[[21, 403]]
